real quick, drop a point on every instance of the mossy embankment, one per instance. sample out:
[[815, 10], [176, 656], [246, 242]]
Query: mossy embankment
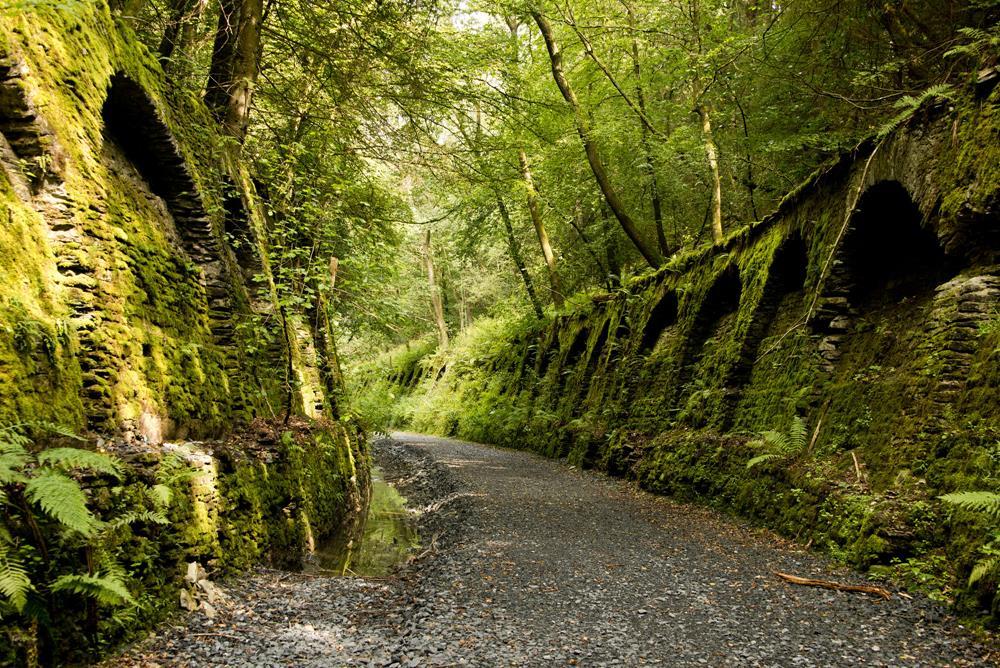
[[137, 307], [266, 494], [868, 305]]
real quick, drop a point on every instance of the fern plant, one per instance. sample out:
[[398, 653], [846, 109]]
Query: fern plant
[[47, 524], [909, 104], [779, 445], [976, 43], [986, 503]]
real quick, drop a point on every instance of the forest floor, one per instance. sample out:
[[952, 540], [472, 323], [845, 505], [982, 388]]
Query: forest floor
[[526, 561]]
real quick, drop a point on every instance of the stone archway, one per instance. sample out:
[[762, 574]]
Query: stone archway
[[133, 124]]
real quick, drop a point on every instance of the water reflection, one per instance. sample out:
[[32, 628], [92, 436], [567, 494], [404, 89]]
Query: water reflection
[[385, 539]]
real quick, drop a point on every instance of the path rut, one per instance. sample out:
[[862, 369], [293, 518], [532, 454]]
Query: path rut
[[537, 564]]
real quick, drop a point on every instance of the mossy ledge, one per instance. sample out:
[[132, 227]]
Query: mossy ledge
[[868, 305], [137, 307]]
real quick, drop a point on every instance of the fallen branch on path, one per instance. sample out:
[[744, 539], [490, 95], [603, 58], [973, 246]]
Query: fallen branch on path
[[836, 586], [217, 635], [438, 505], [430, 550]]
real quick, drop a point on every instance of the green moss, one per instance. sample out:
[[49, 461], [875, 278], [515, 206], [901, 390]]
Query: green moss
[[116, 249]]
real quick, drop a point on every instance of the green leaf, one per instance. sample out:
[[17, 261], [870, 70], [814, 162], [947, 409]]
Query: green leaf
[[984, 568], [15, 585], [797, 434], [78, 458], [980, 502], [136, 517], [775, 440], [13, 436], [760, 459], [56, 429], [11, 465], [108, 589], [62, 499], [160, 494]]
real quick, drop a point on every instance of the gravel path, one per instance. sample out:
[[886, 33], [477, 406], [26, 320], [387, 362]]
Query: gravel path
[[535, 564]]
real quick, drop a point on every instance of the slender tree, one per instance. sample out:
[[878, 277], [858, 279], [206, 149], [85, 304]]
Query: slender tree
[[640, 96], [535, 211], [514, 248], [611, 196], [234, 67], [182, 21], [437, 301], [703, 109]]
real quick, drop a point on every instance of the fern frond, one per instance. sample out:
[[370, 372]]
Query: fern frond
[[137, 517], [797, 434], [160, 495], [760, 459], [78, 458], [13, 435], [775, 440], [979, 42], [979, 502], [174, 469], [108, 589], [11, 446], [15, 585], [909, 104], [62, 499], [11, 464], [986, 567], [56, 429]]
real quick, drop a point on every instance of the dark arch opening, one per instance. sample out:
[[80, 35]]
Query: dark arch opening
[[546, 357], [239, 232], [131, 120], [888, 254], [663, 315], [573, 355], [594, 359], [576, 349], [723, 299], [786, 277], [133, 124]]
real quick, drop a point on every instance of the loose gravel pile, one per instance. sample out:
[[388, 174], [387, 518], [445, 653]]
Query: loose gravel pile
[[526, 562]]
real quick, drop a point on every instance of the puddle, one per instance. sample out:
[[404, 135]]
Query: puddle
[[385, 539]]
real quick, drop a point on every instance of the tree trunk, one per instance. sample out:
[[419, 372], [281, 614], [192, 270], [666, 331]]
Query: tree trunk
[[649, 253], [698, 93], [751, 186], [640, 98], [611, 250], [181, 27], [577, 222], [437, 303], [713, 164], [543, 237], [234, 64], [533, 201], [515, 255]]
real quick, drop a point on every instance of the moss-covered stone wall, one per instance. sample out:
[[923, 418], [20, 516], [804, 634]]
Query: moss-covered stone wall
[[137, 307], [868, 305], [130, 240]]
